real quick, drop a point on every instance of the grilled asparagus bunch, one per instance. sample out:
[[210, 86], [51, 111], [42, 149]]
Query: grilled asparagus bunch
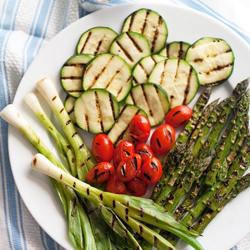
[[207, 169], [205, 173]]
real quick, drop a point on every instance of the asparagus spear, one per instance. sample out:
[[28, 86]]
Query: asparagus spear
[[201, 204], [208, 146], [223, 170], [190, 178], [239, 166], [173, 158], [162, 198], [83, 157], [229, 104], [177, 194], [209, 214], [207, 193], [240, 110], [77, 223], [199, 188], [126, 207]]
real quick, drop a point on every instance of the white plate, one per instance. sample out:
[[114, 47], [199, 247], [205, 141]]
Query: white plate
[[183, 24]]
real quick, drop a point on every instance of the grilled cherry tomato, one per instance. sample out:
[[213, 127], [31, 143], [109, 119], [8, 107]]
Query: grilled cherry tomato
[[137, 187], [102, 148], [144, 151], [100, 173], [178, 116], [129, 167], [140, 128], [151, 171], [162, 139], [114, 185], [122, 151]]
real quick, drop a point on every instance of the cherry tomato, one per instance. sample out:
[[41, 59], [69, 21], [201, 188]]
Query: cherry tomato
[[178, 116], [140, 128], [151, 171], [162, 139], [144, 151], [129, 167], [100, 173], [114, 185], [122, 151], [102, 148], [137, 187]]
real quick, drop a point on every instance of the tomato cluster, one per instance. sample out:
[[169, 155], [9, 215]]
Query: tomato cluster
[[135, 166]]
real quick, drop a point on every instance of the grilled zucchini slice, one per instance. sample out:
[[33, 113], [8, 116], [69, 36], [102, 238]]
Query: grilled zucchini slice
[[120, 130], [213, 60], [72, 72], [178, 78], [152, 99], [69, 105], [96, 41], [144, 67], [150, 24], [175, 50], [131, 46], [96, 111], [109, 72]]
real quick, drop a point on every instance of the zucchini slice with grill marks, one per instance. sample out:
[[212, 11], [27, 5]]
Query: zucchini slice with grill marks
[[150, 24], [131, 46], [69, 105], [96, 111], [175, 50], [213, 60], [109, 72], [178, 78], [143, 68], [120, 130], [72, 72], [152, 99], [96, 41]]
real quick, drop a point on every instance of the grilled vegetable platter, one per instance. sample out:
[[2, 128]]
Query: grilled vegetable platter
[[144, 101]]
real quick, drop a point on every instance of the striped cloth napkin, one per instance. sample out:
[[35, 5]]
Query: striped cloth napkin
[[25, 27]]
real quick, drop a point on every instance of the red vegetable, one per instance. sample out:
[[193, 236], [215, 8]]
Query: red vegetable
[[162, 139], [128, 168], [100, 173], [122, 151], [140, 128], [102, 148], [178, 116], [151, 171], [114, 185], [137, 187], [144, 151]]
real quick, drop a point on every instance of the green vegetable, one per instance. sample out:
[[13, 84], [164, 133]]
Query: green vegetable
[[173, 158], [83, 156], [78, 224], [128, 208]]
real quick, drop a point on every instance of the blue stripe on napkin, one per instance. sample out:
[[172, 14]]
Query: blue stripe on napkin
[[8, 184]]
